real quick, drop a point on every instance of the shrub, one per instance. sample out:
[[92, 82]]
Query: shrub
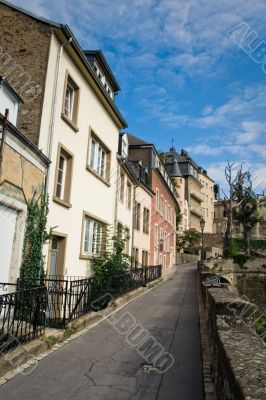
[[241, 259], [233, 248]]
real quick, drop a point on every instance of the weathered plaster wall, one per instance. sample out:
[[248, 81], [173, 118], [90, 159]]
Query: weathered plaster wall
[[19, 175]]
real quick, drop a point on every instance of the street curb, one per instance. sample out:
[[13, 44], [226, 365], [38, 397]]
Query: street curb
[[207, 368], [12, 364]]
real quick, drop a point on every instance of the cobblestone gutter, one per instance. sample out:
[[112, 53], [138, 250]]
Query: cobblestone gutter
[[238, 356]]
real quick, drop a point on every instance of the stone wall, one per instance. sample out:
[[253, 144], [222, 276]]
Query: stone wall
[[253, 286], [24, 53], [238, 354], [182, 258]]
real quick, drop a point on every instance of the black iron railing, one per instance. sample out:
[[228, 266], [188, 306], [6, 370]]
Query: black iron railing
[[28, 306], [153, 272], [22, 315]]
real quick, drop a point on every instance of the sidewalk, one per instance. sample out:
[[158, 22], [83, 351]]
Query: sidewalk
[[101, 365]]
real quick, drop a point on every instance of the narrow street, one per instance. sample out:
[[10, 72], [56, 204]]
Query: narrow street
[[101, 365]]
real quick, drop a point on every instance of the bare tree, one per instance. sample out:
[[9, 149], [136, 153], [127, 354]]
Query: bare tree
[[229, 201]]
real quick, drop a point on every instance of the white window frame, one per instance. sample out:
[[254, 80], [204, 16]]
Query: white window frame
[[97, 157], [93, 242], [68, 109], [64, 171]]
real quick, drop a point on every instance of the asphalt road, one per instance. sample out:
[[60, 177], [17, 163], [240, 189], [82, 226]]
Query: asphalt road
[[103, 364]]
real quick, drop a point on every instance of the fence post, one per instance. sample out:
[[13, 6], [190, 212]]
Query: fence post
[[145, 276], [65, 301]]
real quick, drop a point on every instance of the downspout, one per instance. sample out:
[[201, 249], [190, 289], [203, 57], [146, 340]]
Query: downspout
[[133, 229], [53, 107], [116, 196], [3, 140]]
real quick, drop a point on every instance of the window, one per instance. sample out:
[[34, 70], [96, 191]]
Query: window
[[92, 241], [122, 186], [156, 238], [98, 158], [63, 176], [157, 200], [137, 211], [165, 210], [128, 195], [70, 102], [162, 205], [146, 221], [169, 215]]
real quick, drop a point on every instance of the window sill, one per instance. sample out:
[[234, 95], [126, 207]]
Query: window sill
[[107, 183], [62, 202], [70, 123], [87, 256]]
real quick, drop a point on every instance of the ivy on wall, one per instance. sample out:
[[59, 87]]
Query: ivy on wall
[[36, 235]]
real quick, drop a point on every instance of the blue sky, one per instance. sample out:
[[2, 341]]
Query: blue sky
[[182, 76]]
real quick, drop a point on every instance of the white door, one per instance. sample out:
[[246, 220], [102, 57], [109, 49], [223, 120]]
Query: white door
[[8, 218]]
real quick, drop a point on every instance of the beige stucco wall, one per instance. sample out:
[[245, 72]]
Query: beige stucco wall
[[142, 240], [193, 186], [125, 214], [208, 202], [20, 173], [88, 193]]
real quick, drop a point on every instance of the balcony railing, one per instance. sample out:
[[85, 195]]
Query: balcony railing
[[197, 195], [196, 211]]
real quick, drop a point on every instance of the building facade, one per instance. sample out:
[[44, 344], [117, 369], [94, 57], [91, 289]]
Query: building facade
[[208, 200], [164, 204], [69, 111], [195, 190], [23, 171]]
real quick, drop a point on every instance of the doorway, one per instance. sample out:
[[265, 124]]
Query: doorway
[[57, 255]]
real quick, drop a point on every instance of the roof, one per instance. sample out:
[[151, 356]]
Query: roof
[[99, 56], [68, 33], [181, 158], [173, 168], [23, 139], [136, 141], [4, 82]]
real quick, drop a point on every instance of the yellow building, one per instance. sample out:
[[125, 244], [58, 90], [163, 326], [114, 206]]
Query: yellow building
[[207, 204], [186, 173]]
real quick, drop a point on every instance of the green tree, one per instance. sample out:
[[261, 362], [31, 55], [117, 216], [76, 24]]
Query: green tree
[[246, 212], [111, 267], [187, 240]]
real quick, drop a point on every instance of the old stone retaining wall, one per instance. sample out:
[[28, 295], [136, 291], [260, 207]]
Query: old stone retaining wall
[[182, 258], [238, 355]]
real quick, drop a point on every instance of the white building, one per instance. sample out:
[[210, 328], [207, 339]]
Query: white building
[[79, 131]]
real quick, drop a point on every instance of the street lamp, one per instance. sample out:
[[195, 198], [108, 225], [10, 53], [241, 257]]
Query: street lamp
[[202, 226]]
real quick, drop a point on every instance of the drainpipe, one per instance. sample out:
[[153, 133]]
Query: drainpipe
[[3, 140], [53, 108], [133, 205]]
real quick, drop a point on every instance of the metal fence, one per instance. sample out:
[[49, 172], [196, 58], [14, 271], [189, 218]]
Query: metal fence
[[27, 307], [22, 315]]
